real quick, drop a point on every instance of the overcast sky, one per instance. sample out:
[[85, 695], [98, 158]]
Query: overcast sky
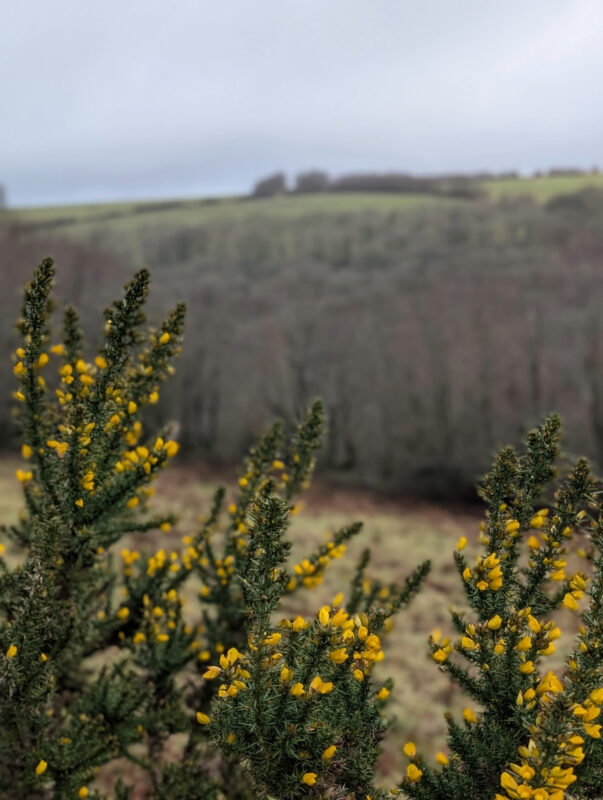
[[110, 99]]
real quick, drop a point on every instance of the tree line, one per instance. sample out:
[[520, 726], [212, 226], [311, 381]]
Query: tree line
[[313, 181], [463, 186]]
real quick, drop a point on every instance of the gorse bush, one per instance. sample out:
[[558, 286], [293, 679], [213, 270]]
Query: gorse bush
[[538, 734], [312, 709], [100, 662], [104, 666]]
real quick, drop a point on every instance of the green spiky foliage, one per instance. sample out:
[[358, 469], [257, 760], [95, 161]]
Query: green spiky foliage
[[217, 553], [298, 705], [271, 468], [536, 734], [567, 734], [220, 555], [100, 667], [86, 484], [100, 663]]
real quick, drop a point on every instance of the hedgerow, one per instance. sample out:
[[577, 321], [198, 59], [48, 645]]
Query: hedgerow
[[105, 663]]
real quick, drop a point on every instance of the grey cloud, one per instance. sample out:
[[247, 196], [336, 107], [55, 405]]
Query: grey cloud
[[114, 99]]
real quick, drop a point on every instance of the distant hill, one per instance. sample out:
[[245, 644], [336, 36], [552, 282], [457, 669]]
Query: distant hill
[[80, 221], [436, 328]]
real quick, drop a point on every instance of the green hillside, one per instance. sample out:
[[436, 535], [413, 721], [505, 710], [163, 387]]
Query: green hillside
[[81, 221], [544, 188]]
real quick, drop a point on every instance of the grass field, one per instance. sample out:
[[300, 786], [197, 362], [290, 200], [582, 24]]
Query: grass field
[[127, 220], [542, 189], [400, 534], [238, 207]]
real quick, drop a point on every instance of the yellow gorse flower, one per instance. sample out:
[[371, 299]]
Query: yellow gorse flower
[[320, 686], [329, 752], [410, 749]]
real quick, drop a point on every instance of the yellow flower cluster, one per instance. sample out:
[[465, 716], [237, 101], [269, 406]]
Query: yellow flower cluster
[[233, 666], [172, 562], [60, 447], [158, 561], [81, 374], [488, 573], [413, 773], [589, 710], [146, 459], [521, 628], [531, 779], [224, 568], [441, 648], [129, 557], [159, 622], [311, 571], [350, 642], [318, 685], [87, 481], [350, 639], [551, 536], [577, 586], [24, 476]]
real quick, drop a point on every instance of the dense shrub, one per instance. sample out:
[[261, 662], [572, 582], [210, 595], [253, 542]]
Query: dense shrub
[[101, 662], [537, 734]]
